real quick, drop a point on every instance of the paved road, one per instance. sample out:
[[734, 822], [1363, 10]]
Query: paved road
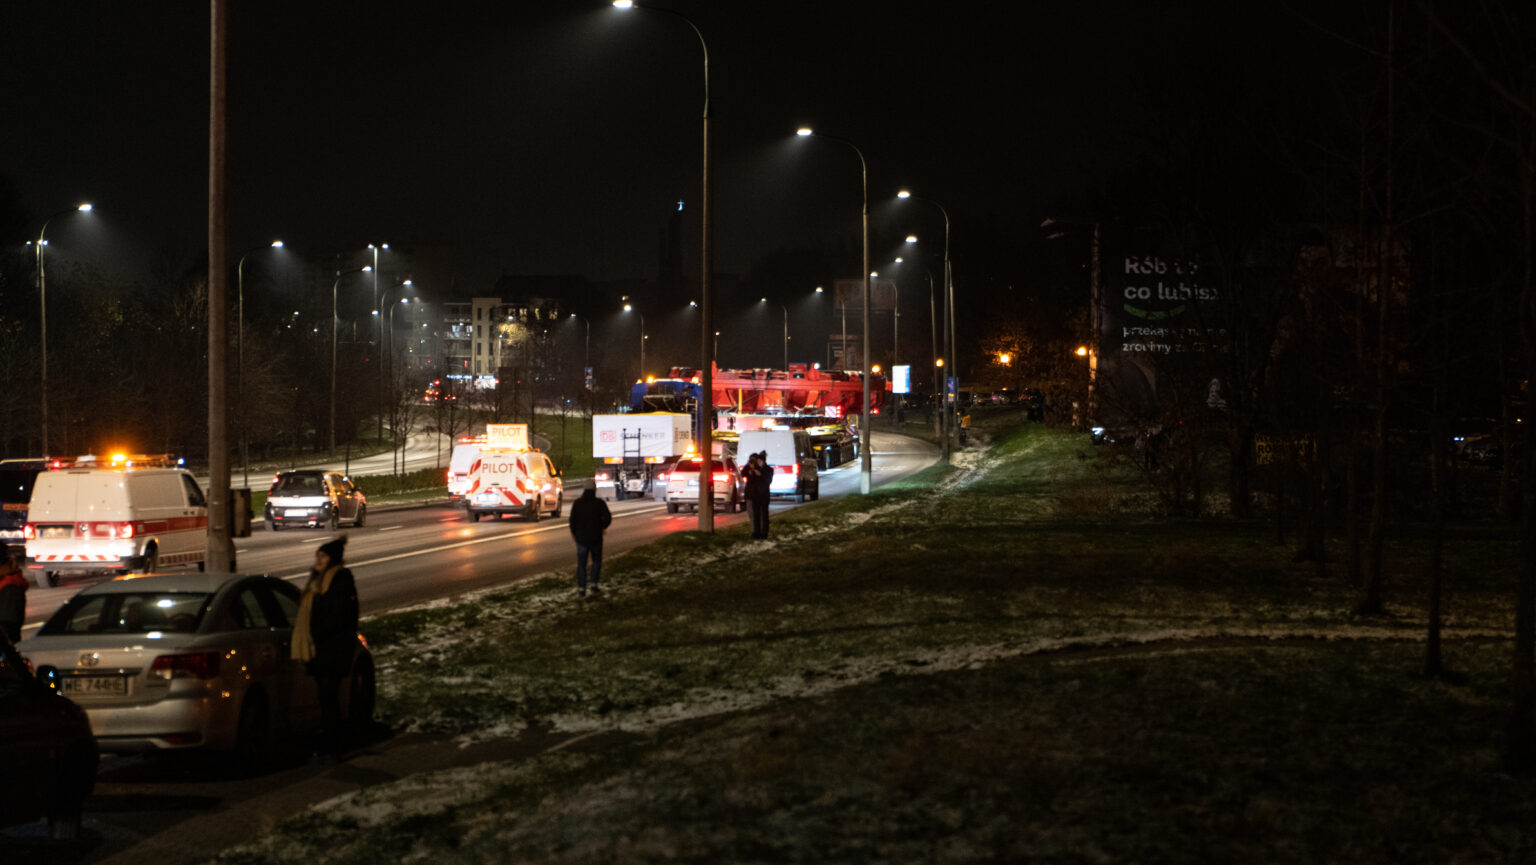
[[408, 556], [167, 812]]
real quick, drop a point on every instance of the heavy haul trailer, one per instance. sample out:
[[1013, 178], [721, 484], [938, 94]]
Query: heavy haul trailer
[[634, 447]]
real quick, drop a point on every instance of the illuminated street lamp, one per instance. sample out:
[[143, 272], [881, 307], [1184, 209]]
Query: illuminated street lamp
[[334, 285], [42, 300], [245, 454], [865, 459], [949, 314], [706, 506], [375, 248], [630, 308]]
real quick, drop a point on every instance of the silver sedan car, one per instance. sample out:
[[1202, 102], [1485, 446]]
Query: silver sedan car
[[181, 661]]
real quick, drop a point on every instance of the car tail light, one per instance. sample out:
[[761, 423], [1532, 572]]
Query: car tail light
[[602, 476], [125, 531], [662, 476], [29, 532], [721, 477], [791, 469], [450, 475], [198, 665]]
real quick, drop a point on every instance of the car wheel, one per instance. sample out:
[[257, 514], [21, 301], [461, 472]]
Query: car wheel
[[334, 522], [150, 561], [474, 515], [46, 579], [535, 511], [253, 736], [362, 694], [671, 507], [273, 525], [362, 514], [816, 491], [559, 505]]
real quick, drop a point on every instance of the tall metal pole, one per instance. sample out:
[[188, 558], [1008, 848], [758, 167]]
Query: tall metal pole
[[42, 299], [706, 506], [379, 346], [245, 455], [334, 315], [866, 428], [786, 336], [933, 366], [220, 552]]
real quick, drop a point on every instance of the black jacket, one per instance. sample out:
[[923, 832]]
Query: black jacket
[[333, 627], [589, 517]]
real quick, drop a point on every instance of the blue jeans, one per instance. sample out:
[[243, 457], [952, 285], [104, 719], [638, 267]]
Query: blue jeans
[[582, 552]]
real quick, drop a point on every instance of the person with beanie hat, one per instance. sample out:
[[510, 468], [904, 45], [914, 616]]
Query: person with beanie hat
[[325, 636]]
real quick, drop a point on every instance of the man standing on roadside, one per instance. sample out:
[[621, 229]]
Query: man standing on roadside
[[589, 519], [759, 479]]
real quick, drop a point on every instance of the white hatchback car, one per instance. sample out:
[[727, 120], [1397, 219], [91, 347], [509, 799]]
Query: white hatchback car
[[182, 661]]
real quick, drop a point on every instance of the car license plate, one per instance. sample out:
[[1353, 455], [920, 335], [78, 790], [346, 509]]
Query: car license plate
[[109, 685], [486, 498], [57, 532], [296, 512]]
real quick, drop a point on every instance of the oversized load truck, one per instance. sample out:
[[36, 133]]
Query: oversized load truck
[[634, 447]]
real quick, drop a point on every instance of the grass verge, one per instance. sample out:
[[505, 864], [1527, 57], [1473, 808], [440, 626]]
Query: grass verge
[[1003, 660]]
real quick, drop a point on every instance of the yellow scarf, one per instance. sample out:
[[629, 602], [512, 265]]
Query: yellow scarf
[[301, 644]]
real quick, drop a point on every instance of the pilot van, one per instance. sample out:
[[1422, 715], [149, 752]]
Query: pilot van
[[509, 477], [128, 515], [793, 459]]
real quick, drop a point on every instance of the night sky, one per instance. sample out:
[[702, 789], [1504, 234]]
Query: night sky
[[554, 138]]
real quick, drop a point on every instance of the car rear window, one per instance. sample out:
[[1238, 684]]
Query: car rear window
[[693, 466], [298, 485], [129, 613]]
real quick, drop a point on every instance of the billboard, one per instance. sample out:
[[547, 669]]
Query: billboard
[[901, 378], [1160, 319]]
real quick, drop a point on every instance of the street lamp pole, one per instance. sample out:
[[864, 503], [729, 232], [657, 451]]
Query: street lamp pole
[[334, 285], [245, 454], [949, 315], [380, 344], [387, 401], [706, 507], [42, 299], [865, 458]]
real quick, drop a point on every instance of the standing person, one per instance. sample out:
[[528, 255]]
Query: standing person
[[759, 476], [13, 598], [325, 636], [590, 517]]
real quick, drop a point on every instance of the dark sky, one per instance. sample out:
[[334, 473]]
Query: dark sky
[[546, 138]]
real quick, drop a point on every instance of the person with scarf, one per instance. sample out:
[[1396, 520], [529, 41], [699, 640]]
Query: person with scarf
[[325, 636], [13, 598]]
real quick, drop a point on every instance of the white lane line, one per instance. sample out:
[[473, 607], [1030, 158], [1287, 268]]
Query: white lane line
[[389, 528], [456, 545]]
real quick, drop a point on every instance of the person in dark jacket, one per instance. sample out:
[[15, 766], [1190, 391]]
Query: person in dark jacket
[[13, 598], [325, 636], [589, 519], [758, 490]]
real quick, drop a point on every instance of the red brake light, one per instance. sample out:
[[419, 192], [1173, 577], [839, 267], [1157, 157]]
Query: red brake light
[[125, 531], [29, 532], [449, 473], [601, 476], [721, 477], [199, 665], [792, 468]]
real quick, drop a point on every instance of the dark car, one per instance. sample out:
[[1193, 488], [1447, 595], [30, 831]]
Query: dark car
[[16, 479], [315, 499], [47, 755]]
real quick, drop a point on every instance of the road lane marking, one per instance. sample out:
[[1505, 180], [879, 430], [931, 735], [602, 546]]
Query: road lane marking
[[389, 528], [456, 545]]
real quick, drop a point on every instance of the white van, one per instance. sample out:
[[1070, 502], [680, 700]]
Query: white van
[[792, 457], [117, 519], [513, 481], [465, 451]]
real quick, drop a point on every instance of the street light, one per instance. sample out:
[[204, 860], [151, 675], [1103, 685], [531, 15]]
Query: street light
[[391, 357], [334, 285], [865, 463], [949, 314], [380, 344], [630, 308], [706, 507], [245, 453], [42, 300]]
